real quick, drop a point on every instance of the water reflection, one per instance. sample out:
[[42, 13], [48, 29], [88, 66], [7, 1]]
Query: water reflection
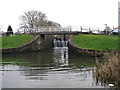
[[61, 56], [48, 69]]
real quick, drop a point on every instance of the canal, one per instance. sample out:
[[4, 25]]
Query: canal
[[56, 67], [53, 68]]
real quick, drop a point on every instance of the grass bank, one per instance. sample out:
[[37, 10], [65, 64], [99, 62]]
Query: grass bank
[[99, 42], [15, 41]]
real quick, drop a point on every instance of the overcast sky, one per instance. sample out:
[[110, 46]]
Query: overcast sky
[[92, 13]]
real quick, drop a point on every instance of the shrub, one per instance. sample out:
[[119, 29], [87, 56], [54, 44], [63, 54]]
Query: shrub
[[108, 72], [115, 33]]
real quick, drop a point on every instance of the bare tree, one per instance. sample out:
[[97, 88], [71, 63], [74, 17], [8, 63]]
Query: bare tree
[[32, 19]]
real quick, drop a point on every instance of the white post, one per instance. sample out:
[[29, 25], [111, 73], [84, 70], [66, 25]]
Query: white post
[[98, 31], [81, 28]]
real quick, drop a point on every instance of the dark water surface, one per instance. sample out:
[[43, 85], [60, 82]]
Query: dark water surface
[[55, 68]]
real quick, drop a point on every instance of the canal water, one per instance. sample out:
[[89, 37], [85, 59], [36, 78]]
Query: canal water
[[53, 68]]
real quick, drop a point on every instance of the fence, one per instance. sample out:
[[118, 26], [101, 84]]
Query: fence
[[69, 29]]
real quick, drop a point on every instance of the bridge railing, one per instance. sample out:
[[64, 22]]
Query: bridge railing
[[99, 30], [91, 30], [49, 29], [66, 29]]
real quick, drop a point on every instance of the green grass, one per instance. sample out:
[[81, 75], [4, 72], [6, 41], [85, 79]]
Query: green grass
[[99, 42], [15, 41]]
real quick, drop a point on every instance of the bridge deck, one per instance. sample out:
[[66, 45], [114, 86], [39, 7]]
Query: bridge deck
[[57, 33]]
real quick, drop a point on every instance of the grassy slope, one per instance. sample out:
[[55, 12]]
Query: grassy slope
[[15, 41], [100, 42]]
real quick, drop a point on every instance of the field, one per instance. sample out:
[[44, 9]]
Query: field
[[99, 42], [15, 41]]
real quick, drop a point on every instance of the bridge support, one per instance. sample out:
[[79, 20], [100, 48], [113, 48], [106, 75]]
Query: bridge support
[[64, 37], [42, 38], [40, 41]]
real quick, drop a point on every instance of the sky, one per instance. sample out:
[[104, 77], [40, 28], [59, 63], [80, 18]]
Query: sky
[[88, 13]]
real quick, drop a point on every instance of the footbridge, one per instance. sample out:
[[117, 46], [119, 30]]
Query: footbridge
[[67, 31], [53, 31], [57, 33]]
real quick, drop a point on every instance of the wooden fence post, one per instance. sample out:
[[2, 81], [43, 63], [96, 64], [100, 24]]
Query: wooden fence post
[[89, 30], [113, 28], [81, 28]]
